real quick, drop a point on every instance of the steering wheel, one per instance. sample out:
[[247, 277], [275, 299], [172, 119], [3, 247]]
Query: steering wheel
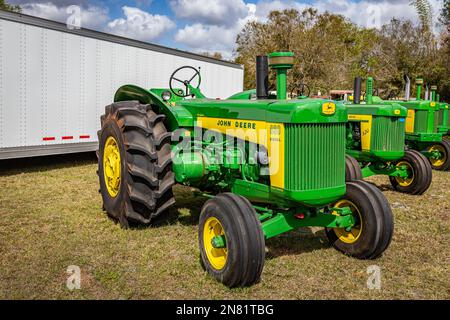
[[301, 89], [186, 83]]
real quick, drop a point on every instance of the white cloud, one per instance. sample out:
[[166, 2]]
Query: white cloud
[[92, 17], [211, 12], [214, 38], [210, 33], [141, 25]]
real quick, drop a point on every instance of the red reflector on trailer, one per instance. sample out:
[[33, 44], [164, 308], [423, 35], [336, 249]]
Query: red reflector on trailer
[[85, 137], [300, 216], [67, 138], [48, 138]]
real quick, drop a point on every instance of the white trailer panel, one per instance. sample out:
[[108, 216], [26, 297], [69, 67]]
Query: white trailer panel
[[55, 82]]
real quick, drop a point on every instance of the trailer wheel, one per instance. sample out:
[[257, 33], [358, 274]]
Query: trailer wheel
[[231, 241], [443, 163], [373, 229], [352, 169], [135, 165], [419, 177]]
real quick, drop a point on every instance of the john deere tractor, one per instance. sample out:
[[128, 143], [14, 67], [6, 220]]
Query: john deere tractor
[[376, 143], [422, 128], [442, 110], [268, 166]]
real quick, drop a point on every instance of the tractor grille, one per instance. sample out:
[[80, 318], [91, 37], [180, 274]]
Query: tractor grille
[[440, 117], [315, 156], [388, 134], [420, 124], [436, 117]]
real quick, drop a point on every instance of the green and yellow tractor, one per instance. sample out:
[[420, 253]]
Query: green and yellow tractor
[[376, 144], [268, 165], [422, 128], [442, 110]]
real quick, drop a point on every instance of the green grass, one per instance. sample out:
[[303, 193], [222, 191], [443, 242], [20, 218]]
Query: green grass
[[51, 217]]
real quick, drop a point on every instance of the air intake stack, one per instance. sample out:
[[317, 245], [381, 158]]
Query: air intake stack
[[369, 90], [419, 84], [281, 62], [433, 93]]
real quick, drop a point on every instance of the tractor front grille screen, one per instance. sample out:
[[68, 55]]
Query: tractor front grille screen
[[388, 134], [420, 124], [314, 156], [436, 121]]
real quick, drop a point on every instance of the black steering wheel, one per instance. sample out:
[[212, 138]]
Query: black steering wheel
[[186, 83], [301, 89]]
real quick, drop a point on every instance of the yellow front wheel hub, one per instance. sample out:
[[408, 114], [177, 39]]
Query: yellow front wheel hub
[[437, 162], [406, 181], [111, 166], [352, 235], [217, 257]]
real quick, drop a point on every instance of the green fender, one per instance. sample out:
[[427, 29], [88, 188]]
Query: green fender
[[176, 116]]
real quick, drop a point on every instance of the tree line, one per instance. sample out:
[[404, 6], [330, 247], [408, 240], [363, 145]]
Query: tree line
[[331, 50]]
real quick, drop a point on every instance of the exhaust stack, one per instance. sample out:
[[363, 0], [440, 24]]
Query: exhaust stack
[[262, 77], [407, 88], [357, 91]]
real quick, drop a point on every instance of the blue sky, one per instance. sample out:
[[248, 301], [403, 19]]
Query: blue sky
[[205, 25]]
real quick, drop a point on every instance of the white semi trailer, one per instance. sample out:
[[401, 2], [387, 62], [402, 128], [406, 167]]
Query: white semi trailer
[[55, 82]]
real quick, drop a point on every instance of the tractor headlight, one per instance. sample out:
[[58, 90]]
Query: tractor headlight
[[166, 95]]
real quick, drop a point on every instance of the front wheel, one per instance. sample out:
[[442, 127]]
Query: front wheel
[[443, 162], [372, 232], [419, 172], [231, 240]]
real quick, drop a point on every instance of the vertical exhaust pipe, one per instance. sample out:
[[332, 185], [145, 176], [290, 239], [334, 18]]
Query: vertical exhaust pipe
[[427, 93], [357, 91], [407, 88], [262, 77]]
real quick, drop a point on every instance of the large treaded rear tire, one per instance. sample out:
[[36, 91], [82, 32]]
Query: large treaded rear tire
[[146, 176]]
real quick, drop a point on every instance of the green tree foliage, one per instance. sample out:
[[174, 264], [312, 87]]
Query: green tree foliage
[[9, 7], [331, 50]]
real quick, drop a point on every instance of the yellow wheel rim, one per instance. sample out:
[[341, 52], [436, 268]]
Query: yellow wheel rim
[[353, 235], [111, 166], [440, 161], [406, 182], [217, 257]]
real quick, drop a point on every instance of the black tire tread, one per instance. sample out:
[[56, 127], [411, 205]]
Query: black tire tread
[[423, 173], [352, 169], [149, 177]]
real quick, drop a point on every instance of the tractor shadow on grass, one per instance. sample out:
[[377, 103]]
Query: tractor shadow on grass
[[186, 210], [381, 186], [295, 243], [46, 163]]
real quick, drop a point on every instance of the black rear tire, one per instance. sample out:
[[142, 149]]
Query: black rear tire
[[352, 169], [374, 227], [243, 262], [421, 175], [146, 177]]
